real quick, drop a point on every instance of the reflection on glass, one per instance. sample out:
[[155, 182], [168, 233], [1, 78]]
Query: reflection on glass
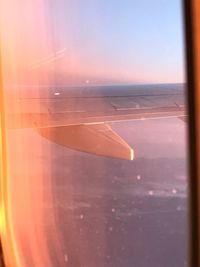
[[96, 125]]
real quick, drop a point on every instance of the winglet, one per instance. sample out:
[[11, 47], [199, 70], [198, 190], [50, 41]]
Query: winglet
[[97, 139]]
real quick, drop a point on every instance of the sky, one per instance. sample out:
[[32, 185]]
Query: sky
[[94, 41]]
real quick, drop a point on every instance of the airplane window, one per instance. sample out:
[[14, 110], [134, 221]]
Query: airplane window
[[96, 130]]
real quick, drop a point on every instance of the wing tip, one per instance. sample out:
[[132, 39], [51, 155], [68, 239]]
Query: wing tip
[[132, 156]]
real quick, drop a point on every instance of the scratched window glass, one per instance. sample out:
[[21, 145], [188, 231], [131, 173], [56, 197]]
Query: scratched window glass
[[96, 129]]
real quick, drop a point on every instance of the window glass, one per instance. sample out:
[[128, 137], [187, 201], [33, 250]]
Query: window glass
[[96, 133]]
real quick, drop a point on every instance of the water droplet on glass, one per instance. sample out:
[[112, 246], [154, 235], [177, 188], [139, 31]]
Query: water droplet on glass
[[150, 192], [56, 93], [178, 208], [174, 191], [66, 258]]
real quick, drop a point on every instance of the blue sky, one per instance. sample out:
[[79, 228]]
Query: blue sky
[[100, 41], [137, 41]]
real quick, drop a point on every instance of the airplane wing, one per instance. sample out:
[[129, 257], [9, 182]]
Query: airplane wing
[[78, 118]]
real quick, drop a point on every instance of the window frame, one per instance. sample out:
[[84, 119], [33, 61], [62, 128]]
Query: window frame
[[191, 14]]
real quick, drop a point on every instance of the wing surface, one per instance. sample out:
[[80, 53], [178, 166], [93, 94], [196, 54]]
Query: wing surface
[[84, 112]]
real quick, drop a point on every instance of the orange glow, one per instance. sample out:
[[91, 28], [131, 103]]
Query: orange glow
[[18, 205], [2, 220], [6, 228]]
